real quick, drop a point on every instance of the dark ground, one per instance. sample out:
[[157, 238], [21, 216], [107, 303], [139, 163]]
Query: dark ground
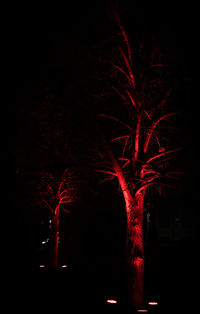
[[167, 281]]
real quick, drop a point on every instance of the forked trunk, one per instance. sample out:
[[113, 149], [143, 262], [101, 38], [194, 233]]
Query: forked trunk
[[135, 251], [134, 243], [54, 238]]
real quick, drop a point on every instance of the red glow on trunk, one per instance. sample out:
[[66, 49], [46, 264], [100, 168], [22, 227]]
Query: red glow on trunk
[[54, 241], [139, 262], [135, 251]]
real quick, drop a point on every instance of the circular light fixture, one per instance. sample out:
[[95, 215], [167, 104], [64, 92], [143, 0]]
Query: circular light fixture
[[111, 301], [152, 303]]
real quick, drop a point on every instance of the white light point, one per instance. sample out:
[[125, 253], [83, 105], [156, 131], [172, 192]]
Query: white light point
[[153, 303], [111, 301]]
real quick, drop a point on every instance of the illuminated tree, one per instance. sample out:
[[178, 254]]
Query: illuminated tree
[[58, 195], [142, 84]]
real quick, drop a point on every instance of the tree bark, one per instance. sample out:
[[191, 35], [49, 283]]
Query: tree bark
[[54, 238], [135, 251], [134, 234]]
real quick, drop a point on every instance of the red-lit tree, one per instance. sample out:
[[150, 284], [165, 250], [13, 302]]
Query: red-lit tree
[[58, 195], [142, 85]]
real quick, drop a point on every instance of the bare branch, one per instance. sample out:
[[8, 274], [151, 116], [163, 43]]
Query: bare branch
[[120, 94], [144, 187], [131, 98], [48, 205], [122, 71], [163, 154], [65, 191], [174, 174], [124, 148], [160, 65], [127, 161], [137, 139], [147, 114], [152, 178], [59, 189], [66, 200], [115, 119], [152, 128], [66, 210], [119, 138], [128, 65], [123, 32], [106, 171], [49, 188], [163, 101]]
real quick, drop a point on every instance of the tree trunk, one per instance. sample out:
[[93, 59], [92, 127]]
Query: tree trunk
[[54, 238], [135, 251], [134, 236]]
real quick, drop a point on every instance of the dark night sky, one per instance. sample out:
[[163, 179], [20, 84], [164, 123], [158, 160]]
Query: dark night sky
[[32, 48]]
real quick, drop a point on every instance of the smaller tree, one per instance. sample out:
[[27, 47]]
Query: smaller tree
[[58, 195]]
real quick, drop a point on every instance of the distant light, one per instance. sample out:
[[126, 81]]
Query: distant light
[[148, 218], [142, 311], [46, 241], [153, 303], [42, 266], [64, 266], [111, 301]]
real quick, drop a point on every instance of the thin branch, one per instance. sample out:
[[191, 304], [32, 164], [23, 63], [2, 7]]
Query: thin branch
[[147, 114], [137, 139], [160, 65], [143, 187], [68, 197], [105, 171], [127, 62], [108, 179], [131, 98], [120, 94], [59, 189], [127, 161], [66, 210], [65, 191], [174, 174], [122, 71], [123, 32], [49, 188], [152, 128], [163, 101], [119, 138], [148, 172], [48, 205], [115, 119], [152, 178], [163, 154]]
